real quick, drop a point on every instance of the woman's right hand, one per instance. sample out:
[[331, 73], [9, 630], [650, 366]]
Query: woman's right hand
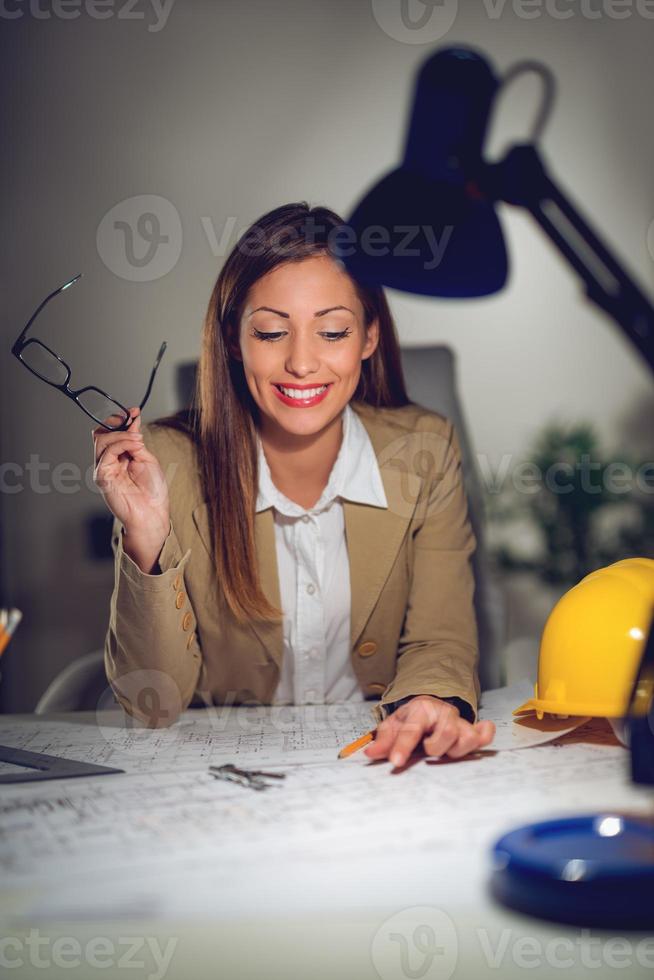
[[134, 489]]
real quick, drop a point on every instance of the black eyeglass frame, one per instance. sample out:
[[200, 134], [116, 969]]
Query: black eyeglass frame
[[21, 343]]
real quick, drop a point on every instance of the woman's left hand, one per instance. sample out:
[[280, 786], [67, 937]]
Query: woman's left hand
[[436, 723]]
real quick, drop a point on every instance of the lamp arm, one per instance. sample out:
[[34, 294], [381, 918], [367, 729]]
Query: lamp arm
[[521, 179]]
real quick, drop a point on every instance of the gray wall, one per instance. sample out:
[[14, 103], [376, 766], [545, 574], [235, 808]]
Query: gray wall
[[227, 109]]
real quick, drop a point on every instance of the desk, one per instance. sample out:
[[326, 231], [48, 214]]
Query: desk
[[350, 872]]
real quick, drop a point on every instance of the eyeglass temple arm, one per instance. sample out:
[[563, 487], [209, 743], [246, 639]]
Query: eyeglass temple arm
[[60, 289], [154, 371], [127, 424]]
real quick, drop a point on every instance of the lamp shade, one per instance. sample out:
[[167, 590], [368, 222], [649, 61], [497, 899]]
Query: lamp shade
[[425, 227]]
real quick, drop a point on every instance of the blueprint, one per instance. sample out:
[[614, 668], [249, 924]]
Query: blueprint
[[264, 735], [176, 843]]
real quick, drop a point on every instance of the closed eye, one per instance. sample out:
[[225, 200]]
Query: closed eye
[[261, 335], [272, 336]]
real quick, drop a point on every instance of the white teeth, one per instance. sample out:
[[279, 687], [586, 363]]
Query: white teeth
[[302, 394]]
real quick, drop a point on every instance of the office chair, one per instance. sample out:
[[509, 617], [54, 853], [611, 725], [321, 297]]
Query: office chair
[[430, 375], [81, 686]]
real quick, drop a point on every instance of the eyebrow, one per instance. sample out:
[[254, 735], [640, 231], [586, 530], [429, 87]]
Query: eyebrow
[[287, 315]]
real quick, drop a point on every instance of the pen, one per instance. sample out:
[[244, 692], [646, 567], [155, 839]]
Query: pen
[[7, 630], [358, 744]]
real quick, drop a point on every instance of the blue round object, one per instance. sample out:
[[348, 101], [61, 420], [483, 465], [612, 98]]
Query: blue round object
[[591, 870]]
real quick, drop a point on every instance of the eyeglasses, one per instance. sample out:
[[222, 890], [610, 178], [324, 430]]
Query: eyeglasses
[[51, 368]]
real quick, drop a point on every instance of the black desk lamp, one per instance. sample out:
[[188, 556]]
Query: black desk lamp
[[445, 181], [430, 227]]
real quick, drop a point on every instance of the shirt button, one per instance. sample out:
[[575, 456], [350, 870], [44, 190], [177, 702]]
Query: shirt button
[[314, 654], [311, 588], [306, 518]]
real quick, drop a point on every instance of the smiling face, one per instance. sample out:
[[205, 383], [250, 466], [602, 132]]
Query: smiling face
[[302, 340]]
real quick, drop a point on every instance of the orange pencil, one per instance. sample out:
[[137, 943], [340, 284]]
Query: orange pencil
[[8, 629], [353, 746]]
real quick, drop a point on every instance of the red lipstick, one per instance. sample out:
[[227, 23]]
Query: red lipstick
[[300, 402]]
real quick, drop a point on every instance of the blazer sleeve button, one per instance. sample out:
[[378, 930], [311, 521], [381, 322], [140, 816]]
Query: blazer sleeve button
[[186, 622], [177, 582], [376, 688], [367, 649], [179, 600], [189, 642]]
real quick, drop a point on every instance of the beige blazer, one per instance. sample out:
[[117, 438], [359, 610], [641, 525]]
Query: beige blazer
[[172, 642]]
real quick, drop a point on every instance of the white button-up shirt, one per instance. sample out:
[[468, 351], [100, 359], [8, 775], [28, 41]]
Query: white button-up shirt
[[314, 572]]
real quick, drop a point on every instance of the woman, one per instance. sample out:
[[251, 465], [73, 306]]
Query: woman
[[301, 535]]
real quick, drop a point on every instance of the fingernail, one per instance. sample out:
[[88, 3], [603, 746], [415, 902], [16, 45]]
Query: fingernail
[[396, 758]]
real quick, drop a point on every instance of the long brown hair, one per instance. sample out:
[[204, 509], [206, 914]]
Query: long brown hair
[[223, 417]]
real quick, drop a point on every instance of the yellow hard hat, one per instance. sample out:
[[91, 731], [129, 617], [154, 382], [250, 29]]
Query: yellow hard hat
[[593, 642]]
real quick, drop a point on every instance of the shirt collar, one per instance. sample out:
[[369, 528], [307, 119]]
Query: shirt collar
[[355, 475]]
